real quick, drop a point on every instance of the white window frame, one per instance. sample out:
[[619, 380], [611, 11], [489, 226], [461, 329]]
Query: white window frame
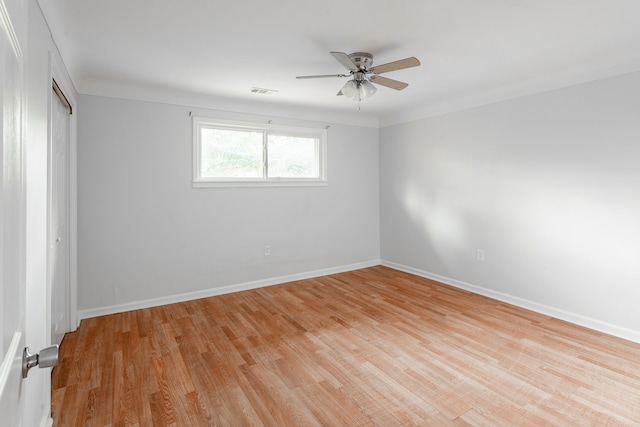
[[203, 182]]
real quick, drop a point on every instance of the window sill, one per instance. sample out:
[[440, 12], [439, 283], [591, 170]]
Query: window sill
[[257, 184]]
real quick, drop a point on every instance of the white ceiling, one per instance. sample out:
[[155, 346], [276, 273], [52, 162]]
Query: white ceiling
[[473, 52]]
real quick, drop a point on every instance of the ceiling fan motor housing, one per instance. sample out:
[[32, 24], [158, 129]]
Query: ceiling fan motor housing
[[363, 60]]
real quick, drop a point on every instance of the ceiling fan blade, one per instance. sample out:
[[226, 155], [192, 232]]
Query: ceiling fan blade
[[396, 65], [393, 84], [344, 59], [322, 76]]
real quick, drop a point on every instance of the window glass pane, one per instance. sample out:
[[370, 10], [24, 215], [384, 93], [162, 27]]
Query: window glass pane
[[231, 153], [292, 157]]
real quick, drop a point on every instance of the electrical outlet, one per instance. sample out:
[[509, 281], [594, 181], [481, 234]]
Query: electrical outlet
[[480, 255], [267, 250]]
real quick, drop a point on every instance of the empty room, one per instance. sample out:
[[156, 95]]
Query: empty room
[[364, 213]]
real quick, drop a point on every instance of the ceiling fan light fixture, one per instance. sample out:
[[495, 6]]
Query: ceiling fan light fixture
[[350, 90], [367, 89], [358, 90]]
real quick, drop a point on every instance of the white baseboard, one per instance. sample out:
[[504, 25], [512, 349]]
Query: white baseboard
[[47, 421], [577, 319], [205, 293]]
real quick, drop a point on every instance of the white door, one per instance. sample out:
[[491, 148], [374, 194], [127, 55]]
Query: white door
[[12, 214], [59, 219]]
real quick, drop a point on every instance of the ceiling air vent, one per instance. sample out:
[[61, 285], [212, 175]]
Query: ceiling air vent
[[262, 91]]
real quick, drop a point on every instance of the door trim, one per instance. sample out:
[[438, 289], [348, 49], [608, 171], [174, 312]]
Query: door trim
[[11, 33], [58, 77]]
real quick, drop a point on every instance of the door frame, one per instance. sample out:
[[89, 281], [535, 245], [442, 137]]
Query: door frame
[[58, 73]]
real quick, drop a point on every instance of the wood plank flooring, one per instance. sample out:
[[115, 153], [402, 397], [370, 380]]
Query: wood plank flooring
[[373, 347]]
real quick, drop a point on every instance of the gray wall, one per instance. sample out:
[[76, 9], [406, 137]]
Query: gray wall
[[145, 233], [547, 185]]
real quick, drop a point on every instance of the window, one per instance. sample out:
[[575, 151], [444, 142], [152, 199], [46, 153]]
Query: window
[[231, 153]]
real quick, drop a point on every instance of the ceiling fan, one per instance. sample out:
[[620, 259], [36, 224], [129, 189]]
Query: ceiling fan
[[360, 66]]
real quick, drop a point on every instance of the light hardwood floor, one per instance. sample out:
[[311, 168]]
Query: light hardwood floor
[[373, 347]]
